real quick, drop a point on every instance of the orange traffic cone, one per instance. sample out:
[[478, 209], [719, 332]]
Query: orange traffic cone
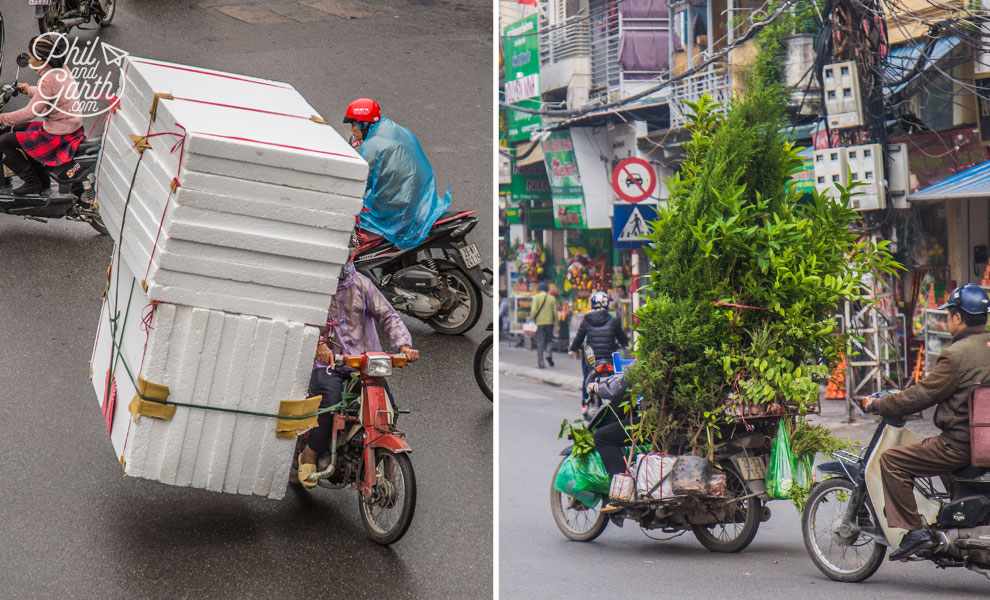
[[931, 297], [919, 365]]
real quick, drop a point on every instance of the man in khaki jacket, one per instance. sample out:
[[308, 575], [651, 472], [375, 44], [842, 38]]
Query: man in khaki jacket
[[543, 312], [960, 367]]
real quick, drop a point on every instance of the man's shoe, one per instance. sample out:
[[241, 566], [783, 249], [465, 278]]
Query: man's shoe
[[611, 509], [914, 540], [31, 185], [550, 361]]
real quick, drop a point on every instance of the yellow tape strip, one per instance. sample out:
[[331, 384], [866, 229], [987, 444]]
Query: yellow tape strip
[[318, 119], [149, 408], [154, 104], [140, 142], [287, 428]]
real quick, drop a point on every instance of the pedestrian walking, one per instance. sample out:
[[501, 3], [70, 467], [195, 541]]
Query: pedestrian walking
[[543, 312]]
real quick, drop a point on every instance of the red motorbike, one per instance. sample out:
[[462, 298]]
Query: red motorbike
[[367, 453]]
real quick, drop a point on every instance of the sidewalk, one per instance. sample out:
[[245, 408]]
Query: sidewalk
[[521, 362]]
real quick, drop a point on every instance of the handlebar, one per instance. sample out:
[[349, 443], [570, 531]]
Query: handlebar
[[880, 394]]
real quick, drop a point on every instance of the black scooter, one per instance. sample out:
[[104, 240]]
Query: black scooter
[[71, 195], [440, 281], [845, 528]]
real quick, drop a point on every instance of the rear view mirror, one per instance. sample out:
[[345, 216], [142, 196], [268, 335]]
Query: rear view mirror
[[22, 60]]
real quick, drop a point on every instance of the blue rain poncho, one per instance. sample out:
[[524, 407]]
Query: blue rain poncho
[[401, 195]]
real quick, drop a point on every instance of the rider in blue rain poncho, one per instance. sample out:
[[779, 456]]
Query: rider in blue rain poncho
[[400, 199]]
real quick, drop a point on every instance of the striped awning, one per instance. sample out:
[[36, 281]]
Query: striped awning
[[974, 182]]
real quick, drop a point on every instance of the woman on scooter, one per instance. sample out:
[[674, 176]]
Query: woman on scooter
[[54, 139]]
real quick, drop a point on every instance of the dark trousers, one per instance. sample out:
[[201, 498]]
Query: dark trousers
[[611, 438], [330, 386], [11, 150], [585, 369], [544, 343], [900, 465]]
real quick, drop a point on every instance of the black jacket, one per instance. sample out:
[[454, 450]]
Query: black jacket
[[603, 333]]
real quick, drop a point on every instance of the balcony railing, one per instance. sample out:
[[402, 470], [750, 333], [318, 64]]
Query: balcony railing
[[715, 83], [563, 40]]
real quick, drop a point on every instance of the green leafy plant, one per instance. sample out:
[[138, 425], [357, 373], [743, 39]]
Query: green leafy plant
[[582, 437], [745, 278]]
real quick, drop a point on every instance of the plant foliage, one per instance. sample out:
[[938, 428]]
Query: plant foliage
[[735, 231]]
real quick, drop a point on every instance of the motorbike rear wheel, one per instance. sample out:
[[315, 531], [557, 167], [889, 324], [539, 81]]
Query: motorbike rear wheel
[[847, 560], [389, 512], [466, 313], [483, 366], [736, 535], [574, 519]]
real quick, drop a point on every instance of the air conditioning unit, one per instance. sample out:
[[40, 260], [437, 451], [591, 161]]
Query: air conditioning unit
[[843, 102], [504, 171]]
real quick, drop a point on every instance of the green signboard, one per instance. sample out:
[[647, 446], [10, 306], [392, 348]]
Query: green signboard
[[540, 217], [804, 177], [568, 213], [529, 183], [561, 165], [522, 76]]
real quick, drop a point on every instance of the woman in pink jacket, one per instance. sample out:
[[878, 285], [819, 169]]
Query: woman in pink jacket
[[54, 139]]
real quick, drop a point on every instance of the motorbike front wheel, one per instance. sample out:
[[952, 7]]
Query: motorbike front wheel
[[109, 9], [574, 519], [466, 311], [733, 536], [850, 558], [48, 23], [389, 512], [483, 367]]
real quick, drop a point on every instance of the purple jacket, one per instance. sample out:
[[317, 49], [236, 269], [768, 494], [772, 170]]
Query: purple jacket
[[357, 310]]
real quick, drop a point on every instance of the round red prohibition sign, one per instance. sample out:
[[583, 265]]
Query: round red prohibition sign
[[634, 180]]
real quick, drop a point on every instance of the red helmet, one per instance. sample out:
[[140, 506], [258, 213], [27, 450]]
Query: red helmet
[[363, 110]]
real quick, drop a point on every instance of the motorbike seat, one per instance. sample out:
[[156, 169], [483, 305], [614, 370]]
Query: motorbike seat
[[972, 473], [90, 145], [452, 215]]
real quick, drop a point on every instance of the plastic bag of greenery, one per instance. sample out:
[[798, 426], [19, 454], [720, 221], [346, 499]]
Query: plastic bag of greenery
[[568, 482], [780, 471]]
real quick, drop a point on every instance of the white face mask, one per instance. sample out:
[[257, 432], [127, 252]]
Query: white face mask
[[346, 270]]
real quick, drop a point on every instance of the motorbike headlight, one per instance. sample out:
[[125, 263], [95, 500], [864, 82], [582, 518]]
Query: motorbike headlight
[[379, 366]]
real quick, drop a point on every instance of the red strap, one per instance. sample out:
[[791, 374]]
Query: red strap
[[201, 72], [257, 110]]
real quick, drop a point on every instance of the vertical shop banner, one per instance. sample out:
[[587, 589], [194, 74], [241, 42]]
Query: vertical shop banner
[[522, 76], [565, 181]]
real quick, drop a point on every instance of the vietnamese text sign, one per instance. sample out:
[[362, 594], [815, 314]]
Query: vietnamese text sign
[[522, 76], [568, 213], [529, 183]]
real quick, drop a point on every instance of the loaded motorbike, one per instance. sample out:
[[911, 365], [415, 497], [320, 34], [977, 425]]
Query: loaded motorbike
[[367, 453], [483, 364], [724, 517], [59, 16], [845, 527], [71, 195], [440, 281]]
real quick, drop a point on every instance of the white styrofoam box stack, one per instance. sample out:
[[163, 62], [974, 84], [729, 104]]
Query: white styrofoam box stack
[[830, 168], [899, 177], [205, 357], [265, 203], [865, 164], [843, 103], [651, 469]]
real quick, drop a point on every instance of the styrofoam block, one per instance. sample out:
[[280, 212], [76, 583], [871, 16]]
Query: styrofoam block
[[143, 78], [249, 292], [237, 304], [213, 358]]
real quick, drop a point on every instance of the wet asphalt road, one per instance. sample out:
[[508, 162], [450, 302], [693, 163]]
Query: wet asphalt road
[[537, 561], [71, 526]]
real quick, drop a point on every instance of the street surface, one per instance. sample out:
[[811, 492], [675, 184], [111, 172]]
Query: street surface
[[71, 525], [537, 561]]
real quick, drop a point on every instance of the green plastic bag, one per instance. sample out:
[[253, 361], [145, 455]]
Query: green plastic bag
[[802, 472], [583, 478], [780, 471]]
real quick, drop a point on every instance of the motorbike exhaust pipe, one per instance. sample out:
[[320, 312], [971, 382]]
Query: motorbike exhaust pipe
[[69, 23]]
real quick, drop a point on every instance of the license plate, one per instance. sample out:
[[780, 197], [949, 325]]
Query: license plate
[[751, 468], [39, 2], [471, 256]]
